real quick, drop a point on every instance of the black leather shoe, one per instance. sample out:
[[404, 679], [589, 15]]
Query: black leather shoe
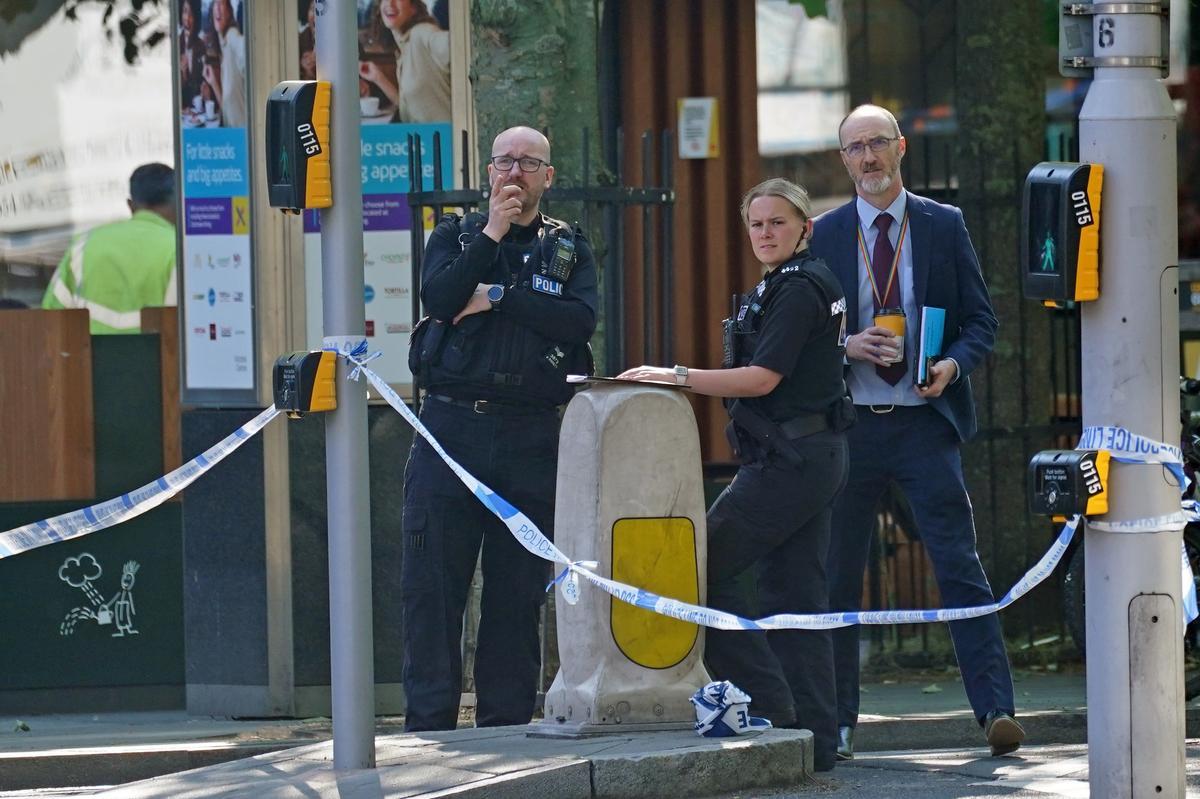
[[845, 747], [1003, 733]]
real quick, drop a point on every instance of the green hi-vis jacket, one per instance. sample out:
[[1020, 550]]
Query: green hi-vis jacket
[[116, 270]]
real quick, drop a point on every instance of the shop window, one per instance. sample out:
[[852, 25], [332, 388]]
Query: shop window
[[802, 76]]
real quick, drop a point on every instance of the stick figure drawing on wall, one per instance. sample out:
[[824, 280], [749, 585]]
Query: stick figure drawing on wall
[[81, 572], [122, 603]]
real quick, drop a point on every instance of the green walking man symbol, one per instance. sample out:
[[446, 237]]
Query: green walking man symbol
[[1048, 254]]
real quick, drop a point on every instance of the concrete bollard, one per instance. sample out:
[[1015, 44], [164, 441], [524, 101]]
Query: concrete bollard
[[630, 496]]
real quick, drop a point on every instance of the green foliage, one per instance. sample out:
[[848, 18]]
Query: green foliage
[[1000, 105], [141, 24], [813, 8], [534, 63]]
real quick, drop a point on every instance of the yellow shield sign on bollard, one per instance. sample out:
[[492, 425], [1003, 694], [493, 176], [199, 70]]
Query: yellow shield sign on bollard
[[658, 555]]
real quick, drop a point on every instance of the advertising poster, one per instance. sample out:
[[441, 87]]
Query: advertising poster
[[218, 320], [404, 88]]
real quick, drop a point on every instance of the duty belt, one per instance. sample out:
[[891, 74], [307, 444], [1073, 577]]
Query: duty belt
[[493, 406], [805, 425]]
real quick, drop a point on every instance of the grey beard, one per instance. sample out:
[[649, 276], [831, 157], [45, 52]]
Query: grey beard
[[877, 185]]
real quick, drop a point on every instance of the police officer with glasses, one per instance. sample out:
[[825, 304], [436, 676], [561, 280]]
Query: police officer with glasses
[[769, 530], [511, 297]]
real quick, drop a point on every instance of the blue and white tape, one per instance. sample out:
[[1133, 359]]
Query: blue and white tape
[[353, 349], [1131, 448], [520, 525], [136, 502], [723, 710], [1126, 447], [708, 617], [533, 540], [530, 537]]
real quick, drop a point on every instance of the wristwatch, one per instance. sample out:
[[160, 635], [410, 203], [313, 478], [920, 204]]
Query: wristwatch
[[494, 295], [681, 375]]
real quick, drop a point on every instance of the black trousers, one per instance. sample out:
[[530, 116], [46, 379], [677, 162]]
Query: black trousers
[[918, 449], [516, 455], [768, 533]]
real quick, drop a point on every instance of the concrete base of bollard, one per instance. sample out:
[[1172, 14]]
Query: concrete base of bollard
[[771, 759], [630, 496], [559, 729]]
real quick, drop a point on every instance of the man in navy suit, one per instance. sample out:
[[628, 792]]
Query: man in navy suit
[[895, 252]]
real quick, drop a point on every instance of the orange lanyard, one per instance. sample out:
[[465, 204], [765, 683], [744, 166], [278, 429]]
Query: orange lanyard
[[862, 246]]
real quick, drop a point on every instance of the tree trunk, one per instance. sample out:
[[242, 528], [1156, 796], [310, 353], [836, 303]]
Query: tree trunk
[[533, 62], [1001, 70]]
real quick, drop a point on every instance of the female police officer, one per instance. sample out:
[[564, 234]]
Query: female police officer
[[782, 378]]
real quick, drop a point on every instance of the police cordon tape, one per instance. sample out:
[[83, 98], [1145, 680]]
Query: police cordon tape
[[136, 502], [530, 537], [1126, 447]]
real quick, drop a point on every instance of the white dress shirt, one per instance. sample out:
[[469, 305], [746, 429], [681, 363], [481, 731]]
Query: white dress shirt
[[866, 386]]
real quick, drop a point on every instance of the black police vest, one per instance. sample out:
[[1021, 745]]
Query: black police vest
[[489, 355], [820, 362]]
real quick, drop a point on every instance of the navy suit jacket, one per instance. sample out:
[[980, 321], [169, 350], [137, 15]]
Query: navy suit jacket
[[945, 275]]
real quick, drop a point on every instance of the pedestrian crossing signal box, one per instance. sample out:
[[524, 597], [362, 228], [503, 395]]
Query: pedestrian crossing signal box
[[298, 173], [1065, 482], [1060, 233], [304, 382]]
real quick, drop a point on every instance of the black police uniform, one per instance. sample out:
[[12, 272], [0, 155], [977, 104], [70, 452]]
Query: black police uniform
[[771, 525], [493, 386]]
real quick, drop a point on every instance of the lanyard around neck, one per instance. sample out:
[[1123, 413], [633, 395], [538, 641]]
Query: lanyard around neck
[[862, 246]]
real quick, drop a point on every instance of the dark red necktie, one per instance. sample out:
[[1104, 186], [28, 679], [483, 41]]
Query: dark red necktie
[[881, 269]]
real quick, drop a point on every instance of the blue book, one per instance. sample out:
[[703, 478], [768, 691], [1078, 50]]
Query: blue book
[[929, 344]]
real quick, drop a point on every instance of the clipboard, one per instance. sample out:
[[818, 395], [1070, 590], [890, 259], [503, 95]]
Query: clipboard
[[597, 380]]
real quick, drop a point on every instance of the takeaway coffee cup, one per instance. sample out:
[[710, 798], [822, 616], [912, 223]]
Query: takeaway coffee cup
[[892, 319]]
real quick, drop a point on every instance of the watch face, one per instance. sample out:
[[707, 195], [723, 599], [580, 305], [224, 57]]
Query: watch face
[[495, 293]]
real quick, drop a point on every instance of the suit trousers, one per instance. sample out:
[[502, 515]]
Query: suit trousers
[[918, 449], [767, 535], [516, 455]]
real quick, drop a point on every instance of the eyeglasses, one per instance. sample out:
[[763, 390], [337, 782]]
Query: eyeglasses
[[877, 145], [528, 164]]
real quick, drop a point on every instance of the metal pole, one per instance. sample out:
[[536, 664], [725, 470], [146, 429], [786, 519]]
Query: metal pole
[[614, 293], [1131, 352], [416, 246], [350, 637], [649, 279], [667, 221]]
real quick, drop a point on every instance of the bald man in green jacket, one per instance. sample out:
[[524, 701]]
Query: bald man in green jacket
[[115, 270]]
